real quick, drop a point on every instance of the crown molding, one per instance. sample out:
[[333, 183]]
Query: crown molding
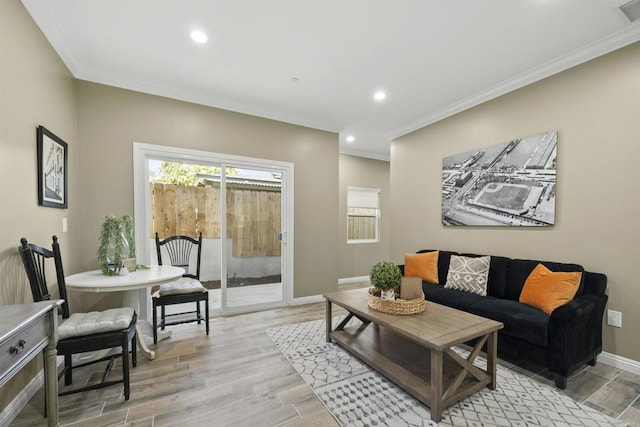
[[44, 18], [41, 13], [365, 153], [618, 40], [199, 99]]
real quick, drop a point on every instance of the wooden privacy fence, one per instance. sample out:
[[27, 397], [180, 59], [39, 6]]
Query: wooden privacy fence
[[361, 223], [253, 215], [361, 227]]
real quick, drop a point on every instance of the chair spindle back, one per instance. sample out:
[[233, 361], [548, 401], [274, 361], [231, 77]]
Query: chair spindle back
[[179, 250], [34, 259]]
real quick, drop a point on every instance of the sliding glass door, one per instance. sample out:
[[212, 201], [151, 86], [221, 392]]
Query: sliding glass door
[[253, 236], [241, 206]]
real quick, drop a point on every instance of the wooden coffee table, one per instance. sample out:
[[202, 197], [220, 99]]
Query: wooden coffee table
[[415, 351]]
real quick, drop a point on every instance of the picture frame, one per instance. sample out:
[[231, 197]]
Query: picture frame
[[52, 169], [510, 184]]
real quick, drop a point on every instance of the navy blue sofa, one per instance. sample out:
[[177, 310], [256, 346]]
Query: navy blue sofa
[[563, 341]]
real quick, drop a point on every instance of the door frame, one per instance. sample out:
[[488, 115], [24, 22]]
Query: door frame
[[143, 152]]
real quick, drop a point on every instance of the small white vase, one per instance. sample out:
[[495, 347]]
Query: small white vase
[[389, 295]]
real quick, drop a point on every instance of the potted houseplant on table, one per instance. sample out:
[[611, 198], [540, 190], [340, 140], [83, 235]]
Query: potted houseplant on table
[[117, 245], [386, 276]]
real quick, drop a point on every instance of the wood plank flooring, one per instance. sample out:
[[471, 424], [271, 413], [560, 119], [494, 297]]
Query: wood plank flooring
[[237, 377]]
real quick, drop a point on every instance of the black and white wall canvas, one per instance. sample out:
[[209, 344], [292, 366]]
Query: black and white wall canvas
[[52, 169], [508, 184]]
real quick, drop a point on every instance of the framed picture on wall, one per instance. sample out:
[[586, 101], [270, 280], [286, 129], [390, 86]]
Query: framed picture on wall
[[512, 184], [52, 169]]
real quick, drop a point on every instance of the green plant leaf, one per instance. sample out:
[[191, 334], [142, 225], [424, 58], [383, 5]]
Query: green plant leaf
[[116, 230], [385, 275]]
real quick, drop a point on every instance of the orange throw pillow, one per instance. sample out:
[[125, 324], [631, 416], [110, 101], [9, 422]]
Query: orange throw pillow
[[548, 290], [423, 265]]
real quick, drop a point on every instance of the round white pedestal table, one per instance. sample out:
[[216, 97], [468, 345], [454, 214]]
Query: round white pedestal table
[[135, 286]]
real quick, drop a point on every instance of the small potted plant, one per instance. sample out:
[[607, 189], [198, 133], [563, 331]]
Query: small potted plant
[[117, 245], [386, 276]]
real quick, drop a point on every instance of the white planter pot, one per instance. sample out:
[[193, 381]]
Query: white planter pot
[[389, 295]]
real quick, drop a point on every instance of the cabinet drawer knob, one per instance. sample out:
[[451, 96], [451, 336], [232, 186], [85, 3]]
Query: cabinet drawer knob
[[19, 348]]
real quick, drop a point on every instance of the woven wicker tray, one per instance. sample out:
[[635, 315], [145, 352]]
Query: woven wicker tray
[[399, 306]]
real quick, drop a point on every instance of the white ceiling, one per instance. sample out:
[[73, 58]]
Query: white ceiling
[[434, 58]]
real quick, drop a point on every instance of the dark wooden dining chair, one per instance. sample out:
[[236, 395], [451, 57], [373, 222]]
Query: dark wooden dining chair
[[82, 332], [188, 289]]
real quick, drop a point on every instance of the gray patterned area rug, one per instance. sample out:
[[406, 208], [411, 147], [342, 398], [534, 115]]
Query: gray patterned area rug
[[356, 395]]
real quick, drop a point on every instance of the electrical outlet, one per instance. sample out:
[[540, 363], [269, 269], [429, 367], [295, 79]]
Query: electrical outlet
[[614, 318]]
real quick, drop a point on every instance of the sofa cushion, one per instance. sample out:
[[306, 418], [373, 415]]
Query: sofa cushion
[[547, 290], [520, 321], [443, 263], [520, 269], [423, 265], [497, 283], [468, 274], [450, 297]]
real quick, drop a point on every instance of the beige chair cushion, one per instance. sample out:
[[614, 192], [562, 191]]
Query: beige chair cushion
[[180, 287], [95, 322]]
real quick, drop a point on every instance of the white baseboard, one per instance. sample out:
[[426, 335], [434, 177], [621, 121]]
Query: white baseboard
[[14, 408], [620, 362], [347, 280], [319, 298], [307, 300]]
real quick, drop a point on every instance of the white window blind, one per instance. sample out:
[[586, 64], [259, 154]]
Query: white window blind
[[363, 198]]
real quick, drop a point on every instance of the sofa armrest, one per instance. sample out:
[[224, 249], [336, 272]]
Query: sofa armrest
[[575, 332], [594, 283]]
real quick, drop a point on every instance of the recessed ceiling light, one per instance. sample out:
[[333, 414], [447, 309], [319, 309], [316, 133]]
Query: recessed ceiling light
[[350, 138], [295, 79], [379, 95], [199, 37]]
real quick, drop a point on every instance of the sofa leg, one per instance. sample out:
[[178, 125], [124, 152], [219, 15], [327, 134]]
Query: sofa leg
[[593, 361], [561, 381]]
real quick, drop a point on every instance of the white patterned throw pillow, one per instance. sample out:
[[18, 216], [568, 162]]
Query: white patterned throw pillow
[[468, 274]]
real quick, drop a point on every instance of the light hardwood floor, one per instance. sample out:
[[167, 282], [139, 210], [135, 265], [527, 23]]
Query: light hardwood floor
[[237, 377]]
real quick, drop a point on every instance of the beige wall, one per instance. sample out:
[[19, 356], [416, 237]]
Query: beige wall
[[357, 259], [111, 119], [35, 89], [595, 109]]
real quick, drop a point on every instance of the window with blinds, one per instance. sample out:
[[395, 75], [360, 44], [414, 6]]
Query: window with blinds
[[363, 214]]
